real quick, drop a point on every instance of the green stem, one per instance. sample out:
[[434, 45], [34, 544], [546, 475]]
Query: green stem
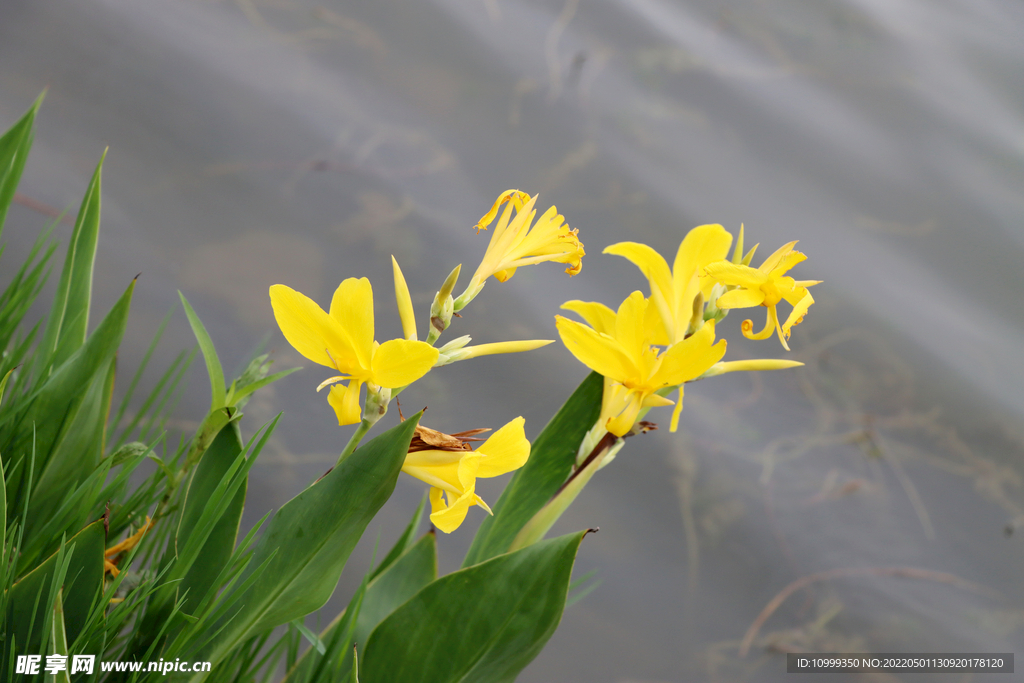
[[357, 436]]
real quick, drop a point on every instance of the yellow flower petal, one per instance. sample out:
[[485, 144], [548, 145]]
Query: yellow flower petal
[[505, 450], [732, 274], [518, 199], [310, 330], [691, 357], [630, 324], [469, 464], [787, 262], [796, 316], [449, 518], [622, 423], [401, 361], [345, 401], [404, 300], [703, 245], [352, 308], [772, 262], [438, 468], [597, 315], [651, 264], [741, 298], [598, 352]]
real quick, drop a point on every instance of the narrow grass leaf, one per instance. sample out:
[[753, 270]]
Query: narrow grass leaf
[[68, 322], [213, 366], [14, 147]]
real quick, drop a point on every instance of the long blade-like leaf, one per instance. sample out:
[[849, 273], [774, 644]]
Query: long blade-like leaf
[[68, 323], [14, 147], [313, 535], [213, 366]]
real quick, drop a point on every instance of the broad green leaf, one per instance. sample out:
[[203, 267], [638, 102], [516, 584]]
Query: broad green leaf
[[482, 624], [311, 537], [82, 582], [14, 147], [213, 367], [221, 542], [388, 589], [551, 460], [43, 422], [68, 322], [404, 542]]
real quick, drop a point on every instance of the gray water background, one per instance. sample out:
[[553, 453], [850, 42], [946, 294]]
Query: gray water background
[[262, 141]]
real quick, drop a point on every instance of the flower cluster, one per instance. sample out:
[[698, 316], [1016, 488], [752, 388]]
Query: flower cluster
[[653, 346], [343, 339], [648, 348]]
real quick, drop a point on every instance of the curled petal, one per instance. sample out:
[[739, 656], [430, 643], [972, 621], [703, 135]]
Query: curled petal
[[796, 316]]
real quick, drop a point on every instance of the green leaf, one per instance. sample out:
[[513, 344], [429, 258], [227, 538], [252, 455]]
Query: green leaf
[[75, 455], [482, 624], [68, 323], [216, 552], [44, 419], [14, 147], [213, 367], [414, 570], [312, 638], [389, 586], [311, 537], [532, 486], [3, 481], [82, 582], [387, 589], [58, 640], [404, 541]]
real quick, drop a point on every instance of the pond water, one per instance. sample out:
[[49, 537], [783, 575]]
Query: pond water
[[301, 141]]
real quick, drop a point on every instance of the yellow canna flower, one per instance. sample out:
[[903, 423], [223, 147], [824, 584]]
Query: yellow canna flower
[[765, 286], [673, 291], [617, 345], [452, 470], [514, 243], [343, 340]]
